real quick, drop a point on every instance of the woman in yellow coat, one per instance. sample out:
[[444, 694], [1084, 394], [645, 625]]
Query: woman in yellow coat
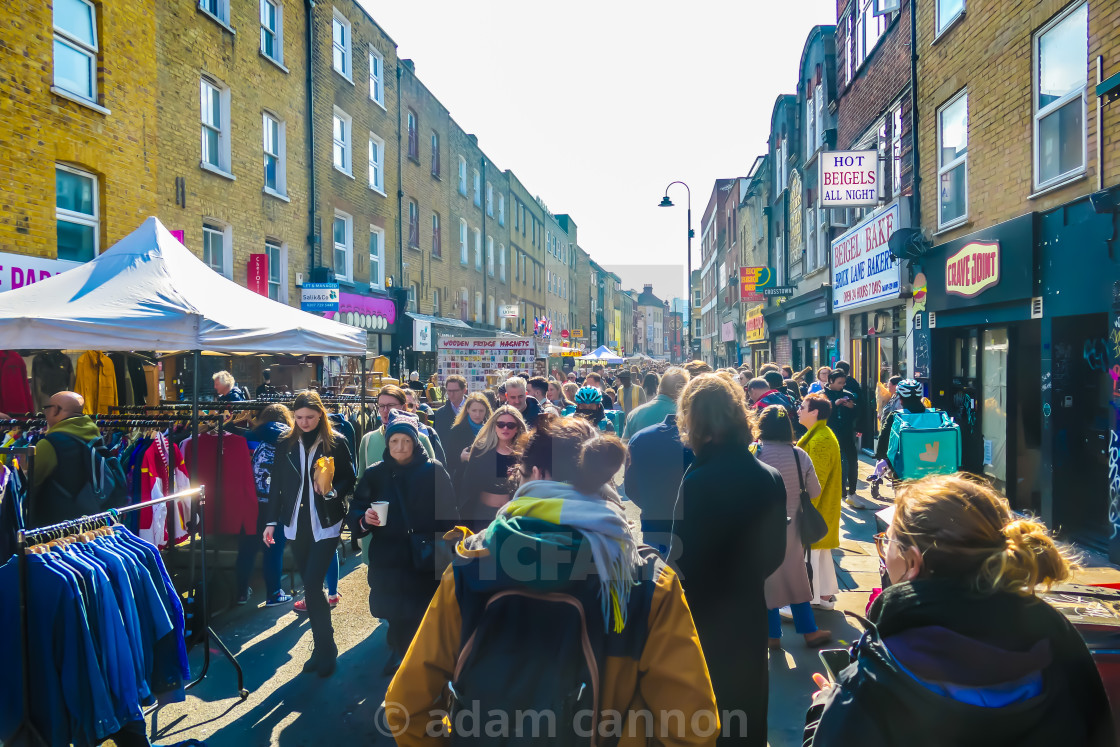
[[823, 448]]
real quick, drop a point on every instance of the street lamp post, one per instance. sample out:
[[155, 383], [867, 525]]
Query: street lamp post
[[666, 202]]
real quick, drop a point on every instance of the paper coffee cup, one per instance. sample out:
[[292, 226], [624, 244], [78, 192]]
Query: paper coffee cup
[[381, 508]]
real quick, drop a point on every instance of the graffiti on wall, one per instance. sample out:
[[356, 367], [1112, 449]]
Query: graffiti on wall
[[1114, 475], [1095, 353]]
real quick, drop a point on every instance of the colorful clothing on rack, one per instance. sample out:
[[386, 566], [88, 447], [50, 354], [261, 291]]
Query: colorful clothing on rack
[[15, 392], [96, 381], [231, 505], [163, 472]]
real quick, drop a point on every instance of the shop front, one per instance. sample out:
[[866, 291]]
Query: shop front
[[980, 351], [868, 286], [758, 344], [811, 330], [777, 330], [729, 347]]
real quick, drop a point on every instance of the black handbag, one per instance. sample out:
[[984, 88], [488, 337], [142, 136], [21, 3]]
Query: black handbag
[[428, 552], [811, 523]]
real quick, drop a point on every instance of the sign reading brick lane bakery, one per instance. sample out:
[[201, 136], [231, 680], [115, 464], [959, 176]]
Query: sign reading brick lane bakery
[[973, 269]]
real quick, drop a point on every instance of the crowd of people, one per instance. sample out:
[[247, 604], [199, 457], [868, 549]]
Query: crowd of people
[[502, 561]]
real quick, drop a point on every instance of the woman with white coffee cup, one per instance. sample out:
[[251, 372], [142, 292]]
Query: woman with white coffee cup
[[403, 500]]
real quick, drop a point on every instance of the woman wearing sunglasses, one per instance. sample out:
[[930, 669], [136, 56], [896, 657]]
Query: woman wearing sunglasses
[[485, 484], [960, 651]]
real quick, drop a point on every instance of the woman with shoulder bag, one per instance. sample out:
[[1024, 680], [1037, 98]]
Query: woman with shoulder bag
[[312, 474], [824, 450], [789, 585], [404, 503]]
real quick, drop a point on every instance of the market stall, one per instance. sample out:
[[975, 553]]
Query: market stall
[[483, 361], [602, 354], [150, 293]]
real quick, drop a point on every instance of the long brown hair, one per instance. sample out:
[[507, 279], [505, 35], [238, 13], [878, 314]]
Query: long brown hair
[[310, 400], [713, 411], [964, 529]]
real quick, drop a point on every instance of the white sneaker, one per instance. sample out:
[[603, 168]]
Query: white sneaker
[[823, 604], [859, 502], [786, 613]]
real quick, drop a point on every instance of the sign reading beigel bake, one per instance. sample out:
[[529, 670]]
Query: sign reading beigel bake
[[973, 270]]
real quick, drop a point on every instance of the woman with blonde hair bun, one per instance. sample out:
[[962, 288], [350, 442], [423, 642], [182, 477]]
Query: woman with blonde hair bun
[[960, 650]]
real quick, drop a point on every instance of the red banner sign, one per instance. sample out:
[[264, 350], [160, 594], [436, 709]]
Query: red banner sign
[[258, 274]]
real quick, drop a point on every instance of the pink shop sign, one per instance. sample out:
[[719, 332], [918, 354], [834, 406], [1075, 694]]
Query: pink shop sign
[[18, 270], [367, 312]]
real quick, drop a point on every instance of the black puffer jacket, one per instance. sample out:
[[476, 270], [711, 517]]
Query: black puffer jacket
[[946, 666], [286, 479]]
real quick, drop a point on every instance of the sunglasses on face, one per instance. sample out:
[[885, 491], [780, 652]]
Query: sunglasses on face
[[506, 425]]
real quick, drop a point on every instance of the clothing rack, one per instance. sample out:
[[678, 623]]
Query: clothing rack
[[28, 537]]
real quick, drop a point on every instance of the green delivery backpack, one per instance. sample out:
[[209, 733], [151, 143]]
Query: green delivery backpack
[[923, 443]]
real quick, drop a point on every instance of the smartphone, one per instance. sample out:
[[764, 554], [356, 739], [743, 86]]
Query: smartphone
[[835, 660]]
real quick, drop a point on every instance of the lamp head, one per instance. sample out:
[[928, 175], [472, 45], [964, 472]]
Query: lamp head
[[666, 202]]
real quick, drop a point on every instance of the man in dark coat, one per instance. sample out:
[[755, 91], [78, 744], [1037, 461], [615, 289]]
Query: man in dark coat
[[731, 537], [444, 419], [657, 463]]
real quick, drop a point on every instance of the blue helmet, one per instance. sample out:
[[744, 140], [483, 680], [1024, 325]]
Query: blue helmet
[[589, 395]]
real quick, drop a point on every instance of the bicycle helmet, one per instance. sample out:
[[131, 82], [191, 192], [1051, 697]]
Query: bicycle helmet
[[589, 395], [909, 388]]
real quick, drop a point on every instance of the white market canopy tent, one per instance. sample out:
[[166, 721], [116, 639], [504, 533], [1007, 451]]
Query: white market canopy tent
[[149, 292], [602, 355]]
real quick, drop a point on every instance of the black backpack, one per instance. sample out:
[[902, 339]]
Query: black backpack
[[88, 479], [536, 658], [531, 653]]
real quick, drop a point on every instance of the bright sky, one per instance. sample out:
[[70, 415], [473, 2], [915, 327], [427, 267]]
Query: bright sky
[[597, 106]]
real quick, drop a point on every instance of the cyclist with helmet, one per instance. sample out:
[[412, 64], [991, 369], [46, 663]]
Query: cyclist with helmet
[[589, 406], [910, 398]]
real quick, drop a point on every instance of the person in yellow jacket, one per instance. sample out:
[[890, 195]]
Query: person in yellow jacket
[[822, 447], [653, 686], [96, 381]]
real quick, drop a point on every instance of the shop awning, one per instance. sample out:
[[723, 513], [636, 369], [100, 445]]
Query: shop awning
[[441, 321], [149, 292]]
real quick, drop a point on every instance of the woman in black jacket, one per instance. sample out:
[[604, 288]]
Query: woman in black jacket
[[308, 501], [960, 650], [731, 535], [421, 506], [484, 485], [468, 422]]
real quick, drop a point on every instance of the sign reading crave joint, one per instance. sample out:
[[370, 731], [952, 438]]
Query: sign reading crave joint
[[973, 269]]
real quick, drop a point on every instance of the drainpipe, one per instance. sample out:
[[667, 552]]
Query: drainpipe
[[485, 246], [310, 5], [915, 175], [400, 190]]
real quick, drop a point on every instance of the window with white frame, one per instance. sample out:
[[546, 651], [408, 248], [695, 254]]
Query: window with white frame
[[464, 303], [343, 241], [1061, 54], [952, 161], [464, 256], [272, 30], [413, 224], [343, 141], [478, 306], [413, 298], [435, 302], [490, 310], [810, 239], [75, 48], [413, 136], [822, 237], [477, 188], [437, 237], [896, 151], [810, 121], [502, 262], [490, 256], [219, 9], [462, 176], [501, 210], [376, 257], [275, 155], [435, 154], [376, 163], [77, 216], [341, 45], [478, 249], [214, 247], [215, 126], [869, 29], [277, 269], [489, 200], [947, 12], [376, 76]]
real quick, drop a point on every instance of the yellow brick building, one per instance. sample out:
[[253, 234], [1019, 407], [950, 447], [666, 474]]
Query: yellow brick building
[[78, 140]]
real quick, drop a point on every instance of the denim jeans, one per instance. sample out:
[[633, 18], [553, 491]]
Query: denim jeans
[[272, 566]]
